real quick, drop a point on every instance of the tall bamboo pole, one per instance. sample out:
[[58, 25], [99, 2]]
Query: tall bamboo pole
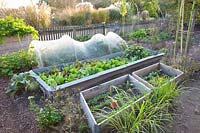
[[177, 30], [182, 22], [189, 27]]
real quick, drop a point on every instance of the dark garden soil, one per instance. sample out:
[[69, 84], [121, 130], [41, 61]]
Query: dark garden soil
[[187, 118], [15, 116]]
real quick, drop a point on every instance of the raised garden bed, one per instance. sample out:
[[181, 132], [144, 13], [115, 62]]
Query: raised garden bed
[[157, 74], [100, 76], [110, 97], [96, 78], [13, 44]]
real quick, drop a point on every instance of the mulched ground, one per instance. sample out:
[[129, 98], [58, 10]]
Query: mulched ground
[[15, 116]]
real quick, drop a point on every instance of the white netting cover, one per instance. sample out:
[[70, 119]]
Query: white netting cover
[[66, 49]]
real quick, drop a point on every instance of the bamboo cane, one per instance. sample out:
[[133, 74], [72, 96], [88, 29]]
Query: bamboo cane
[[177, 31], [189, 27]]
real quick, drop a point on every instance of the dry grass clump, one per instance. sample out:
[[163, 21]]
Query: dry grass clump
[[85, 6], [38, 16], [84, 14], [60, 4]]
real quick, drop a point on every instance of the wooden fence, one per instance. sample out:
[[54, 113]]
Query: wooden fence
[[54, 33]]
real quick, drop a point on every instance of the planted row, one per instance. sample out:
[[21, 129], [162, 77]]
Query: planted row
[[77, 70], [16, 62], [149, 116], [157, 77], [111, 101], [147, 36]]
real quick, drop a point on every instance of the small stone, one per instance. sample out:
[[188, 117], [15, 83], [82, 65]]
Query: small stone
[[197, 111]]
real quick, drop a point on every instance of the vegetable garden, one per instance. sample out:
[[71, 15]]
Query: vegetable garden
[[137, 81]]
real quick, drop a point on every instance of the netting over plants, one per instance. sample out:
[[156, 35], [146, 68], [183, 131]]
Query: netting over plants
[[66, 49]]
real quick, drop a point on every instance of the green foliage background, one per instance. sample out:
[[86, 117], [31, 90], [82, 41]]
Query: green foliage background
[[10, 26]]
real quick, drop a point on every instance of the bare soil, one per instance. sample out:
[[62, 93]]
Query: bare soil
[[15, 116], [187, 114]]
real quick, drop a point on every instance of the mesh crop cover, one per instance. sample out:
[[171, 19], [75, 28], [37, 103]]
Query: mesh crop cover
[[66, 49]]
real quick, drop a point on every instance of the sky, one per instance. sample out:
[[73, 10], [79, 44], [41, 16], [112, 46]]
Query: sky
[[16, 3]]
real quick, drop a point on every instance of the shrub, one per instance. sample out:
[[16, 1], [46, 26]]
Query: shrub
[[16, 27], [84, 6], [99, 16], [141, 33], [163, 35], [82, 38], [47, 116], [114, 15], [63, 16], [135, 51], [101, 3], [78, 18], [156, 38], [38, 16], [16, 62], [71, 16], [152, 8], [62, 3], [20, 82]]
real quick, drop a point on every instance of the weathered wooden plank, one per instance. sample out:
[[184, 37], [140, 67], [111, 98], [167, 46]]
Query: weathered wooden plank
[[178, 75]]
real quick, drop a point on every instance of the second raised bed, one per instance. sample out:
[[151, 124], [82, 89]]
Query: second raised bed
[[157, 74]]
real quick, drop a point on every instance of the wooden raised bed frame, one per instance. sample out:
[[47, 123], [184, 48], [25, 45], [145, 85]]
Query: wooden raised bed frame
[[102, 88], [97, 78], [178, 75]]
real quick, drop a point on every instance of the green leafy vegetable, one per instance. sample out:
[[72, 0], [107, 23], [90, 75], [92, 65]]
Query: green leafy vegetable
[[79, 70]]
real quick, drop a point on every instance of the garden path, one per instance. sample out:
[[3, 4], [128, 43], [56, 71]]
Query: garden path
[[187, 119]]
